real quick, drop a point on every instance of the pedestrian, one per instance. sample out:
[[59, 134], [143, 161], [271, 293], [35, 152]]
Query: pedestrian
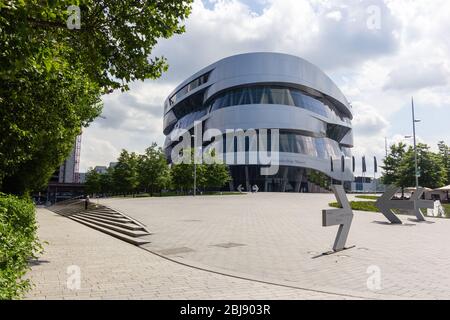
[[86, 202]]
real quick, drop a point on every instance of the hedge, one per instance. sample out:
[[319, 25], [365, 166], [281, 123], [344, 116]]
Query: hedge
[[18, 244]]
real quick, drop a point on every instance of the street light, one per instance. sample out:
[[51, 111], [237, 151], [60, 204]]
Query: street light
[[195, 169], [414, 121]]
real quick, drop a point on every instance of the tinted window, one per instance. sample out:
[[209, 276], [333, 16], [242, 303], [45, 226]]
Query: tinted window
[[323, 148], [276, 95]]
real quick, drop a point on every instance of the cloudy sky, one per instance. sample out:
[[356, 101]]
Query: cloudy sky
[[380, 53]]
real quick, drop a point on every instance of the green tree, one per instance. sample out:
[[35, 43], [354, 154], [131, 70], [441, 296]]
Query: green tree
[[93, 182], [320, 179], [182, 174], [216, 174], [125, 174], [52, 76], [106, 182], [153, 170], [431, 168], [444, 153], [391, 168]]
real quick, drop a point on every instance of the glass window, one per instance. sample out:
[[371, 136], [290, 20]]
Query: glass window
[[189, 87], [336, 132], [323, 148], [276, 95]]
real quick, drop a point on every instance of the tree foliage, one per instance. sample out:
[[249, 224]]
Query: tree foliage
[[430, 166], [444, 153], [93, 184], [52, 76], [153, 170], [216, 174], [150, 173], [125, 173], [399, 167], [392, 163]]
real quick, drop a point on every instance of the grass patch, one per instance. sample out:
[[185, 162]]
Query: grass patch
[[368, 197], [358, 205], [370, 207], [447, 209]]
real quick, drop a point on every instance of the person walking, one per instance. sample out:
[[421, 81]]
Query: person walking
[[86, 202]]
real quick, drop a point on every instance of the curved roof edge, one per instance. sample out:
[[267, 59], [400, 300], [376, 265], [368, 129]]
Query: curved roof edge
[[267, 64]]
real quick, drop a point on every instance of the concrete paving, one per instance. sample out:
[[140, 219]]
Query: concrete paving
[[112, 269], [226, 246], [276, 237]]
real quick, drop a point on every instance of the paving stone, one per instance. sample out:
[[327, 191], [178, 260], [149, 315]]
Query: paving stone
[[281, 233], [141, 275]]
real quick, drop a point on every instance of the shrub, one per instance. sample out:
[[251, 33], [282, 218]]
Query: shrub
[[18, 243]]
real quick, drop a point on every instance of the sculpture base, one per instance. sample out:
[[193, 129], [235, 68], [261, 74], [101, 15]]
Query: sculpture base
[[329, 253]]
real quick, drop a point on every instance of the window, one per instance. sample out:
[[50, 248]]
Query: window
[[336, 132], [189, 87], [322, 148], [276, 95]]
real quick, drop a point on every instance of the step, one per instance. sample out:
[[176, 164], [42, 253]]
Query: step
[[103, 211], [100, 208], [115, 218], [111, 213], [127, 224], [128, 232], [67, 212], [103, 214], [109, 218], [121, 236]]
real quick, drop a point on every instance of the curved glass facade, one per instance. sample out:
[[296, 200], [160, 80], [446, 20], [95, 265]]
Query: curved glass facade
[[275, 95], [266, 91], [323, 148], [189, 87], [189, 119]]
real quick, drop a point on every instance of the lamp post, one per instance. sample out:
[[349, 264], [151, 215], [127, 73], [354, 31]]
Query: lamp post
[[195, 168], [414, 121]]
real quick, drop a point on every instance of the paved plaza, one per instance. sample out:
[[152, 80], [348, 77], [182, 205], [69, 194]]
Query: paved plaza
[[113, 269], [254, 246]]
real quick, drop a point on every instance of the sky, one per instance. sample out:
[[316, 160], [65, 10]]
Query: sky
[[380, 53]]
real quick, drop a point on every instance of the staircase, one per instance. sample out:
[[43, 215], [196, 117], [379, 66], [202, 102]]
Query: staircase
[[104, 219]]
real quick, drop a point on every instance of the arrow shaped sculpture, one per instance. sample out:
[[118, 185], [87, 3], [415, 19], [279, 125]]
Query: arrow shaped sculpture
[[385, 204], [421, 204], [342, 217]]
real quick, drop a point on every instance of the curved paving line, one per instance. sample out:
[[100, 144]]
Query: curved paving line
[[284, 285]]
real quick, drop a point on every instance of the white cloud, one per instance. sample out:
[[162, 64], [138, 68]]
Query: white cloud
[[97, 151], [417, 76], [377, 69]]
